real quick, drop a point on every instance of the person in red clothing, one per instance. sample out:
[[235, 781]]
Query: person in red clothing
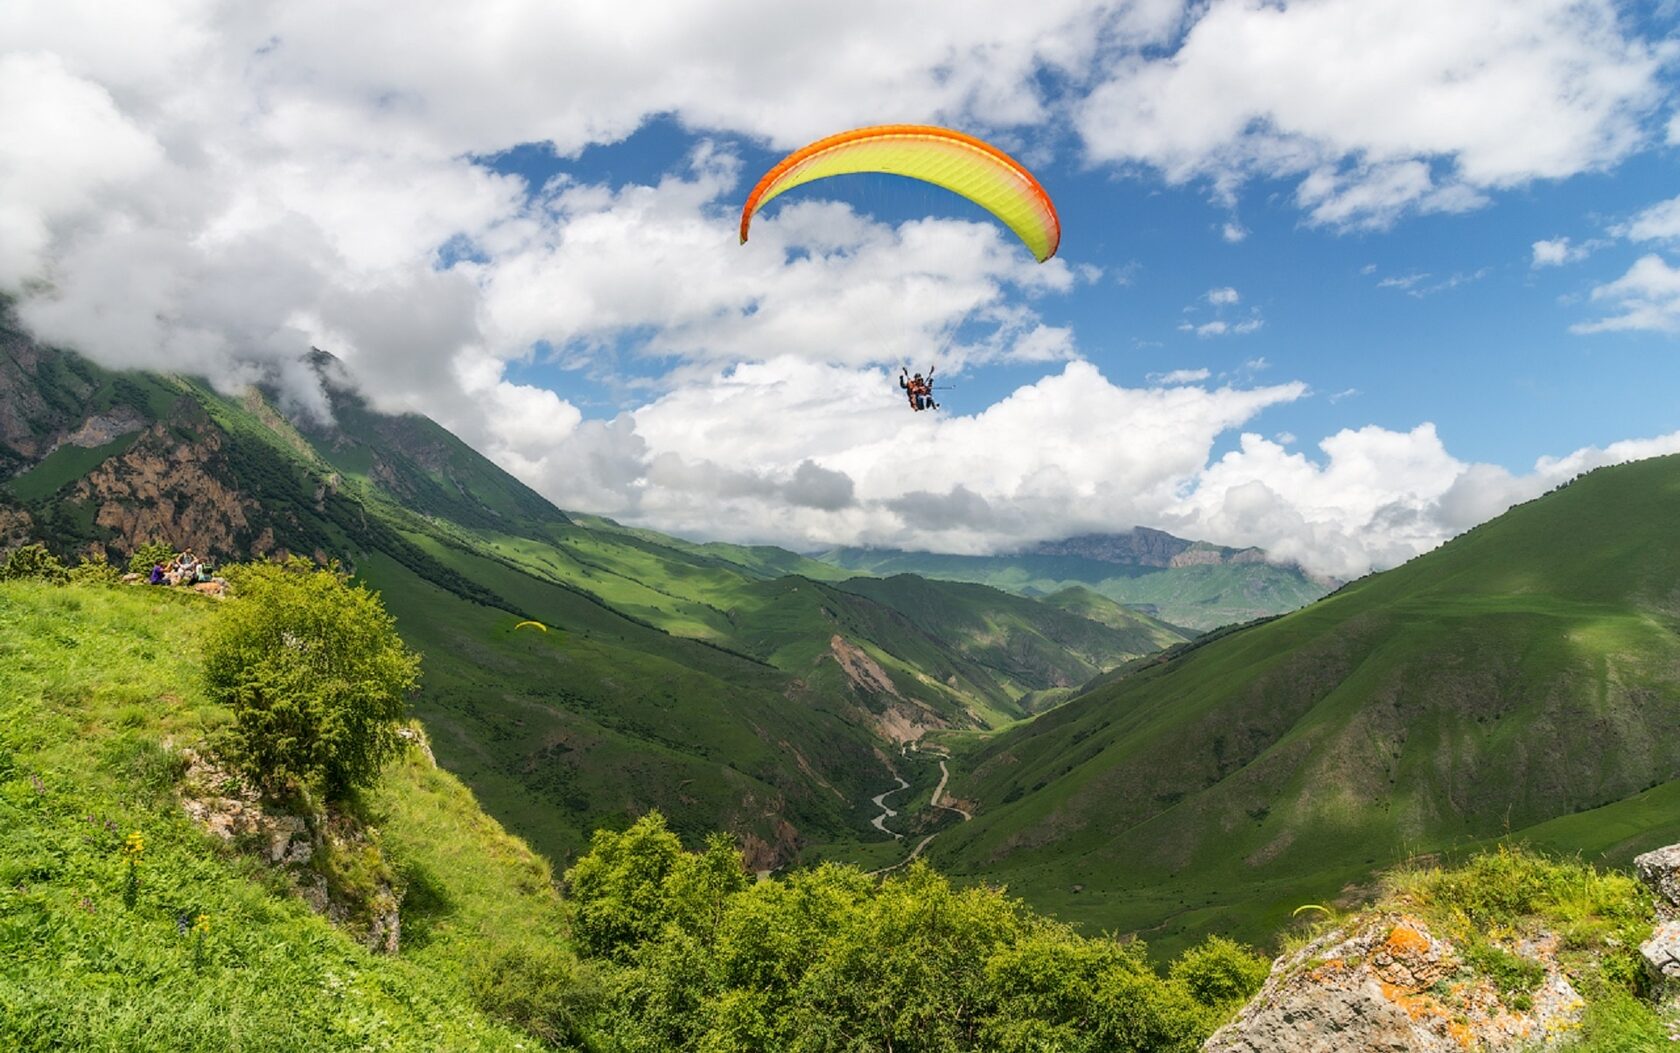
[[918, 390]]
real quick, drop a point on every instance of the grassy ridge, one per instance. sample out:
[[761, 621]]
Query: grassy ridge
[[564, 731], [1520, 677], [96, 685]]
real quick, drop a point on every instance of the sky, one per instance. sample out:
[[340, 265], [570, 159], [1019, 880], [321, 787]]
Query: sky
[[1338, 278]]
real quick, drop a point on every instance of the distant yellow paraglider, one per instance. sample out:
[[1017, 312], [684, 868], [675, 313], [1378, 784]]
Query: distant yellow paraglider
[[532, 625], [960, 163]]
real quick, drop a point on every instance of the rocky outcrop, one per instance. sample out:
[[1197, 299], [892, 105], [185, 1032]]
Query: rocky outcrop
[[27, 420], [1383, 982], [311, 849], [1138, 547], [1662, 960], [1386, 984], [167, 487], [1660, 870], [16, 527], [102, 428]]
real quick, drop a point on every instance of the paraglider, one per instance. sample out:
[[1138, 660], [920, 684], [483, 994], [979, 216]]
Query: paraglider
[[531, 625], [917, 389], [960, 163]]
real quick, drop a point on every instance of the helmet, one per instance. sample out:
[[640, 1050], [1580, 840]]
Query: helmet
[[918, 376]]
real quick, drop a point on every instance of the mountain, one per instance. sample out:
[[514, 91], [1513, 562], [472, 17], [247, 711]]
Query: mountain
[[727, 686], [1189, 583], [1522, 680]]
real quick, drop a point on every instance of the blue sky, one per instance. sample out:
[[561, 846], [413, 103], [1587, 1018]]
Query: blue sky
[[1427, 252], [1468, 333]]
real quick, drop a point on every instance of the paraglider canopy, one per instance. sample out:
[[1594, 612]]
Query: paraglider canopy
[[960, 163], [532, 625]]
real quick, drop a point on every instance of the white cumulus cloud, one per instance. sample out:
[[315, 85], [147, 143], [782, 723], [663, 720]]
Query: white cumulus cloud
[[1646, 298], [1555, 252], [1379, 107], [1660, 222]]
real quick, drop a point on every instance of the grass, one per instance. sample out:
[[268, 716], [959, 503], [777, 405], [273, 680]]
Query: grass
[[98, 687], [64, 466]]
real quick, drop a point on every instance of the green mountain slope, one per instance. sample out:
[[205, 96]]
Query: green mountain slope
[[1524, 677], [1193, 584], [701, 680], [98, 689]]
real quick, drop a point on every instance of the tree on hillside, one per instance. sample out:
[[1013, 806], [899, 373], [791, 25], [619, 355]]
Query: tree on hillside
[[630, 885], [694, 957], [316, 676], [32, 562], [148, 554]]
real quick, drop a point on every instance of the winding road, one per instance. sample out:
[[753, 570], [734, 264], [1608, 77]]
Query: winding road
[[887, 813], [939, 791], [880, 799]]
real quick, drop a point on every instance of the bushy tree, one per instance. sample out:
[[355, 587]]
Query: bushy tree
[[630, 885], [148, 554], [33, 562], [832, 959], [95, 570], [1220, 971], [316, 676]]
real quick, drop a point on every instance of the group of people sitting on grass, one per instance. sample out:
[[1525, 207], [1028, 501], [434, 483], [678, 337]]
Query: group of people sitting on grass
[[184, 569]]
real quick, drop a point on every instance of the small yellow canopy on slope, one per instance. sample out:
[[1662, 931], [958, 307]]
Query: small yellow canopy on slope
[[960, 163], [533, 625]]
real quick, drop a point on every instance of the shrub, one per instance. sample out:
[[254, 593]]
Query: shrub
[[95, 570], [148, 554], [539, 989], [1220, 971], [35, 563], [630, 884], [316, 676]]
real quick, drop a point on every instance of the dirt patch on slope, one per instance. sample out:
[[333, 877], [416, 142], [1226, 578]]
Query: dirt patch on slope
[[863, 671]]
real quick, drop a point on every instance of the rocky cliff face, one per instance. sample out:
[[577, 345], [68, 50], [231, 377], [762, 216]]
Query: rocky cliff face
[[16, 526], [170, 487], [1143, 547], [25, 415]]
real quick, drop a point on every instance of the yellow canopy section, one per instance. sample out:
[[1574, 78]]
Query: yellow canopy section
[[960, 163]]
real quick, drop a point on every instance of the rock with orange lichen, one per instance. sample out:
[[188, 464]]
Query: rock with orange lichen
[[1385, 984]]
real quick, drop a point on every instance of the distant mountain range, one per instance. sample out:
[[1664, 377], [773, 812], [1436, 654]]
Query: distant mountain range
[[1190, 583], [744, 688]]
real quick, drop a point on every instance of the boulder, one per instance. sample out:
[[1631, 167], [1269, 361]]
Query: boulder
[[1661, 871], [1662, 960]]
